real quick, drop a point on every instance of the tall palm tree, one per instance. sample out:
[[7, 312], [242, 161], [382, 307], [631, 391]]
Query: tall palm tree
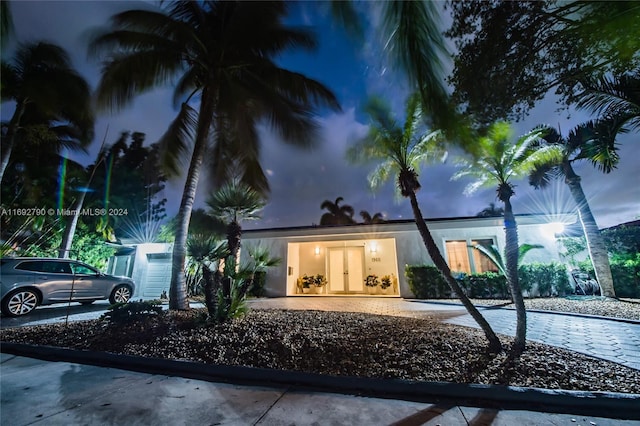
[[368, 219], [43, 84], [593, 141], [401, 150], [617, 96], [498, 162], [227, 82], [337, 214]]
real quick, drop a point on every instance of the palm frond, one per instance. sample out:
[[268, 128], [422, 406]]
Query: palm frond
[[236, 201], [174, 144]]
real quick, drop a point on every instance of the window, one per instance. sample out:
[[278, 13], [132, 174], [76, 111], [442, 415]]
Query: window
[[32, 265], [463, 258], [79, 269], [56, 267]]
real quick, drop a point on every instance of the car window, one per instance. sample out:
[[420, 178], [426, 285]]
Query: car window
[[30, 265], [56, 267], [82, 269]]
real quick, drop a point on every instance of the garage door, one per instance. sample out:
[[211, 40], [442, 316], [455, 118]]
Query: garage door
[[158, 277]]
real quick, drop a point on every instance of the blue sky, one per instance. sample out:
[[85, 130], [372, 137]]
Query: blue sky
[[301, 180]]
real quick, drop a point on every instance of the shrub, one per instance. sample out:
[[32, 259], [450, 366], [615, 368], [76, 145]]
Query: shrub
[[257, 285], [124, 313], [486, 285], [549, 279], [426, 282], [625, 271]]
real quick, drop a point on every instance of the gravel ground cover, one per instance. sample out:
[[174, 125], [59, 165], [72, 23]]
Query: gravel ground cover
[[337, 343], [624, 308]]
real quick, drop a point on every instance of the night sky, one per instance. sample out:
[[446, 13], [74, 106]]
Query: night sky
[[301, 180]]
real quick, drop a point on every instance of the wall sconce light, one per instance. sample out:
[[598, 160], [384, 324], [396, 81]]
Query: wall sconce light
[[373, 247], [317, 251]]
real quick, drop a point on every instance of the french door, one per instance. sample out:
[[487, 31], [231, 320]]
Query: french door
[[346, 270]]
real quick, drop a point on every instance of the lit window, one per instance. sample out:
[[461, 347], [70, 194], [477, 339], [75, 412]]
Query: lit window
[[462, 258]]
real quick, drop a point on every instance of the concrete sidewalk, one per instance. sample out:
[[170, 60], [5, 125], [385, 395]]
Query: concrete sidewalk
[[36, 392]]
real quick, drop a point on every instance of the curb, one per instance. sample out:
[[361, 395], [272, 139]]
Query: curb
[[601, 404]]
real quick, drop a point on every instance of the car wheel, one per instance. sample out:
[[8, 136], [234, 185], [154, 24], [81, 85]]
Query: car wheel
[[20, 302], [120, 294]]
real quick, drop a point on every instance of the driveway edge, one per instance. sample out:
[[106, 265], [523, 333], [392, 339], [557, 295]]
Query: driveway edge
[[601, 404]]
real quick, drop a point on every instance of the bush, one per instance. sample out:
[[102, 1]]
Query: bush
[[426, 282], [486, 285], [549, 279], [124, 313], [257, 285], [625, 271]]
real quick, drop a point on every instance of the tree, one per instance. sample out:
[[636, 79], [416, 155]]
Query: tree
[[593, 141], [401, 150], [491, 211], [337, 215], [233, 203], [513, 53], [225, 290], [498, 162], [6, 22], [230, 71], [413, 40], [497, 258], [41, 79], [368, 219], [614, 97]]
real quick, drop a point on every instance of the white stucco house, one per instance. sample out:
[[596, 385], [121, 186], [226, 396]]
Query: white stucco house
[[346, 255]]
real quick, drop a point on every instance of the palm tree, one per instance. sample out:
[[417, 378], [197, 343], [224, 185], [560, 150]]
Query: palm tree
[[337, 215], [614, 97], [498, 162], [45, 89], [6, 22], [368, 219], [594, 141], [233, 203], [491, 211], [412, 37], [497, 258], [402, 149], [221, 53]]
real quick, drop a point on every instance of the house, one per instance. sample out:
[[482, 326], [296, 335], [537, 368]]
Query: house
[[346, 255]]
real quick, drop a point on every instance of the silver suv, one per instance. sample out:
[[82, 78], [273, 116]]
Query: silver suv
[[29, 281]]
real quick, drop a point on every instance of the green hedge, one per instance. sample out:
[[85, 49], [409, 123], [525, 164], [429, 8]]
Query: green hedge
[[426, 282], [487, 285], [550, 279], [625, 274]]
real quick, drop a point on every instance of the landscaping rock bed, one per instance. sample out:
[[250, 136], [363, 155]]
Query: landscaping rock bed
[[337, 343]]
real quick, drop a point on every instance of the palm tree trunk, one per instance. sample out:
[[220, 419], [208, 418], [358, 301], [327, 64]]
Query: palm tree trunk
[[494, 343], [511, 255], [70, 229], [595, 243], [178, 290], [10, 139]]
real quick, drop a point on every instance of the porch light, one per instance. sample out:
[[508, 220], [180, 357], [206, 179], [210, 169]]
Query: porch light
[[552, 229], [317, 251], [373, 247]]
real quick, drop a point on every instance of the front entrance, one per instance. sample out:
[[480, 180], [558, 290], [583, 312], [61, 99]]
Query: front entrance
[[346, 270]]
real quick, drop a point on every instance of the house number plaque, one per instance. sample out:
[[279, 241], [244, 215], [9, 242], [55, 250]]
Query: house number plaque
[[375, 259]]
